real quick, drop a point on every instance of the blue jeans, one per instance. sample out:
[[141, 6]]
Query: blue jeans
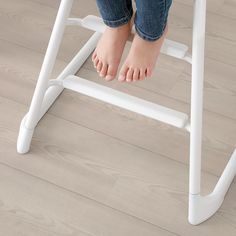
[[150, 17]]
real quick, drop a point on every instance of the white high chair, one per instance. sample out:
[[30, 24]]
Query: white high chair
[[47, 91]]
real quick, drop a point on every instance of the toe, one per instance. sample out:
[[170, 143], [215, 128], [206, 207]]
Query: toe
[[136, 74], [142, 74], [129, 76], [94, 55], [95, 62], [103, 71], [111, 72], [99, 66], [149, 72], [123, 73]]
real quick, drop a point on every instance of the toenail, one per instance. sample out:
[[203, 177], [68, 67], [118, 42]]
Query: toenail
[[109, 77], [121, 78]]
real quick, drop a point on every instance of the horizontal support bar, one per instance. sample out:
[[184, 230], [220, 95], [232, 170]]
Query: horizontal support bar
[[126, 101], [169, 47]]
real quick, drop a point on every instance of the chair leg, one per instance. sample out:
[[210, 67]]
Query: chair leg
[[202, 207], [198, 46], [29, 122]]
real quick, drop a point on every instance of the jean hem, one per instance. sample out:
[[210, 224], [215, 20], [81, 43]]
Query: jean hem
[[148, 37], [122, 21]]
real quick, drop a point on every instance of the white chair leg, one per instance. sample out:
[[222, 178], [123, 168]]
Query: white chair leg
[[198, 45], [202, 207], [29, 122]]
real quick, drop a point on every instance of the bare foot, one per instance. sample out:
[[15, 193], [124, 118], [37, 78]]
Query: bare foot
[[107, 55], [141, 59]]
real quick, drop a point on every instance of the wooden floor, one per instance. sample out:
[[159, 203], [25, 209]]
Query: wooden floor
[[98, 170]]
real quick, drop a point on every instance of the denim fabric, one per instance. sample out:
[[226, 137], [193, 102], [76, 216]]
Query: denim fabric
[[150, 17]]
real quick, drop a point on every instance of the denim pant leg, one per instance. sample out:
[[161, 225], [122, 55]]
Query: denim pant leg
[[115, 12], [151, 18]]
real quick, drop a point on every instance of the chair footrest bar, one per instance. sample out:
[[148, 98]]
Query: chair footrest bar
[[169, 47], [129, 102]]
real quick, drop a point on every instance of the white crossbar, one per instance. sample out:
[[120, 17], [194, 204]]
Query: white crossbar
[[126, 101], [169, 47]]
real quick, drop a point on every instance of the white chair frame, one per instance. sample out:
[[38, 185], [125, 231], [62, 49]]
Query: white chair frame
[[47, 91]]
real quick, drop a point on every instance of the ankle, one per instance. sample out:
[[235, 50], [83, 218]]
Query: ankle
[[125, 27]]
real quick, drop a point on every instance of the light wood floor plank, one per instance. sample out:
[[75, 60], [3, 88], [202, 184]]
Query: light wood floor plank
[[35, 22], [30, 203], [95, 169], [228, 9], [130, 179]]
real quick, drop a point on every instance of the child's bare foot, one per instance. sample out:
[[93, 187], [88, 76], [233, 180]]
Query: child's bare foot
[[107, 55], [141, 59]]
